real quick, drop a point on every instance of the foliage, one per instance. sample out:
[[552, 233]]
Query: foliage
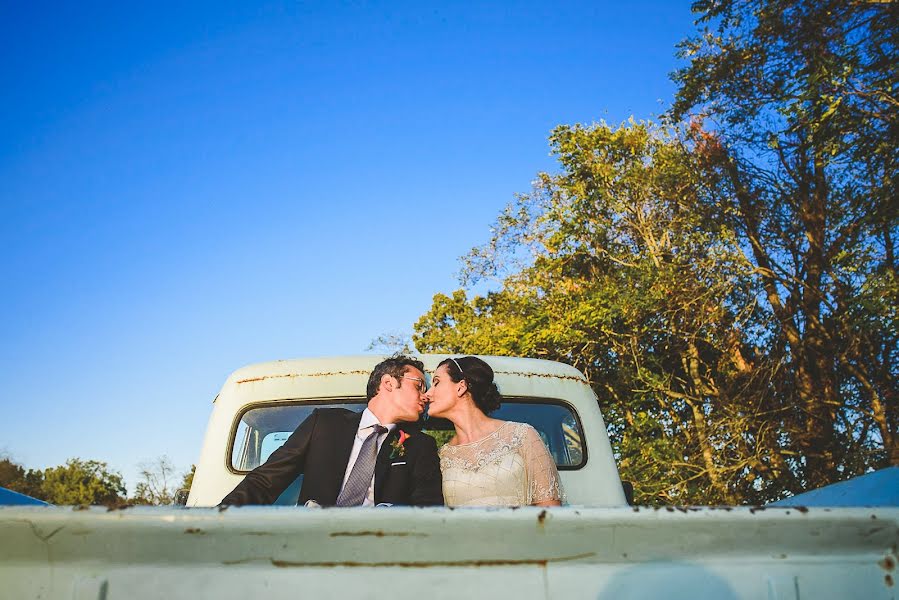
[[85, 482], [800, 98], [391, 343], [606, 267], [14, 477], [727, 282], [188, 480], [156, 486]]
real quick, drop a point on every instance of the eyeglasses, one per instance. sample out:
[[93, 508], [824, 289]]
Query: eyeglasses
[[422, 387]]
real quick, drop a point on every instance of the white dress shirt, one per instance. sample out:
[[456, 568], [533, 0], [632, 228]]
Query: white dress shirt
[[368, 421]]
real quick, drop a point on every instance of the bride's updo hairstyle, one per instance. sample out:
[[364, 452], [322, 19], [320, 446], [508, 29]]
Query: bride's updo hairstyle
[[479, 377]]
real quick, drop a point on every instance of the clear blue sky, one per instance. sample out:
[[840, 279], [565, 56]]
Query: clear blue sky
[[187, 188]]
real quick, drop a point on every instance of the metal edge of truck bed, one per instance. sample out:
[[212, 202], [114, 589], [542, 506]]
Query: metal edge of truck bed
[[561, 552]]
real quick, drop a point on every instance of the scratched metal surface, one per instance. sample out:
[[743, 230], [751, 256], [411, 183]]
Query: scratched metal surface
[[568, 552], [596, 484]]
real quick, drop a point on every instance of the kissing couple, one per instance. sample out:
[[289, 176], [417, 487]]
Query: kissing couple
[[380, 457]]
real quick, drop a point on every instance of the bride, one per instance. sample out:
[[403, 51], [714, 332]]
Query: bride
[[488, 462]]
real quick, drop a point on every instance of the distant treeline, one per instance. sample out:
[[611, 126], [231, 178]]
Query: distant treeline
[[90, 482]]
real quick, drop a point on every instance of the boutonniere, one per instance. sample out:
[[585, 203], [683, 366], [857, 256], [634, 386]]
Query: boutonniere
[[399, 449]]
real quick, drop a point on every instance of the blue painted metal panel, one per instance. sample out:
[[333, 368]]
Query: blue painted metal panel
[[880, 488], [9, 497]]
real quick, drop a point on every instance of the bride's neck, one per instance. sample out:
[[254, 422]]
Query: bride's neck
[[472, 425]]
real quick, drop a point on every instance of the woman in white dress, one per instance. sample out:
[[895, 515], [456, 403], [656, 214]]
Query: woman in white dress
[[488, 462]]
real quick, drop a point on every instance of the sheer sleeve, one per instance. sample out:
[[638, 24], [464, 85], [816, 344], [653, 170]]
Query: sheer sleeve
[[543, 478]]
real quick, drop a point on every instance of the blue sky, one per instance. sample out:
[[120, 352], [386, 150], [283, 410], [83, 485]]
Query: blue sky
[[188, 189]]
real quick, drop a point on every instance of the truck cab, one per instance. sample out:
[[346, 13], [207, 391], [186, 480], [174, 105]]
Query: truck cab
[[260, 405]]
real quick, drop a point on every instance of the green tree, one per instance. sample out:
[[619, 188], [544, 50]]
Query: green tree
[[800, 97], [14, 477], [606, 267], [82, 482], [188, 480]]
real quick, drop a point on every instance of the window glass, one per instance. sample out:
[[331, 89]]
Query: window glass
[[264, 429]]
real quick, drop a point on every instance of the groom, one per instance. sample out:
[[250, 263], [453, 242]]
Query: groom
[[353, 459]]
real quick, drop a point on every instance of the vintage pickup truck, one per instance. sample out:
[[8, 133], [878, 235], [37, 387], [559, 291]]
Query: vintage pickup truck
[[596, 546]]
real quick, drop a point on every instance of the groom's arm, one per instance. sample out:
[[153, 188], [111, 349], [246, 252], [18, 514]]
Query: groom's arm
[[427, 484], [266, 482]]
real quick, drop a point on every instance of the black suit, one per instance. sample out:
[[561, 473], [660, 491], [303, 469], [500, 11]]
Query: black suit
[[320, 449]]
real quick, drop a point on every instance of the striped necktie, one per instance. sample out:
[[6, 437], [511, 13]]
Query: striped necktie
[[357, 484]]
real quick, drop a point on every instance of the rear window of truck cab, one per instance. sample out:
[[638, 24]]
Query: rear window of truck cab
[[261, 429]]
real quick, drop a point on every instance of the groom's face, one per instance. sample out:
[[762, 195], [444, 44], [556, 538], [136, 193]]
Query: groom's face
[[408, 396]]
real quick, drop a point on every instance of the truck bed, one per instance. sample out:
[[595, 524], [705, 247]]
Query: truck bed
[[565, 552]]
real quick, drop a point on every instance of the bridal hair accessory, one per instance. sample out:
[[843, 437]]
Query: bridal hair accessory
[[458, 366], [398, 448]]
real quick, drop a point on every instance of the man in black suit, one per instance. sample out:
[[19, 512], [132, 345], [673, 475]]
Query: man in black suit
[[357, 459]]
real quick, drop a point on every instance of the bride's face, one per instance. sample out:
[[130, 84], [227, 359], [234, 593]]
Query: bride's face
[[443, 393]]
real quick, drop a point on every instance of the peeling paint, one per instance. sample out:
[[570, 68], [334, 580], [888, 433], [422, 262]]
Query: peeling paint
[[529, 375], [289, 375], [376, 534], [416, 565], [524, 374]]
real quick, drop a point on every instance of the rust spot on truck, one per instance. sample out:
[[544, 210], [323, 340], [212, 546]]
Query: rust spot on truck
[[542, 562], [287, 375], [362, 372], [543, 375], [377, 534], [195, 531], [541, 518], [888, 563], [888, 579]]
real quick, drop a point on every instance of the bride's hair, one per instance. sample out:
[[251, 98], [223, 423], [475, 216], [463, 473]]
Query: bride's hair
[[479, 377]]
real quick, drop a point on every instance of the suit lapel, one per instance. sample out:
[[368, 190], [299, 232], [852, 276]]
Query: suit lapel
[[343, 448], [383, 462]]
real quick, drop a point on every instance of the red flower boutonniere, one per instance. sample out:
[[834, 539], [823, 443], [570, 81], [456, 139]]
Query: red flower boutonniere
[[398, 448]]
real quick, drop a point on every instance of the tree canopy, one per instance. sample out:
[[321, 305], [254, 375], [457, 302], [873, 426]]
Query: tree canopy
[[726, 279]]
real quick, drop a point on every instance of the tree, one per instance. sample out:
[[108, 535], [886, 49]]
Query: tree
[[727, 283], [391, 343], [14, 477], [10, 473], [606, 267], [157, 482], [85, 482], [800, 98], [188, 480]]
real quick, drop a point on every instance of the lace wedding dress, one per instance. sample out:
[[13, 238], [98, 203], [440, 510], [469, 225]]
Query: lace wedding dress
[[509, 467]]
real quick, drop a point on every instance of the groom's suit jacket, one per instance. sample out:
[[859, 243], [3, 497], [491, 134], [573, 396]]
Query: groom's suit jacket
[[320, 449]]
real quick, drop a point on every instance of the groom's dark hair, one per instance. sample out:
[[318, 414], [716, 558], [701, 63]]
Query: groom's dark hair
[[395, 366]]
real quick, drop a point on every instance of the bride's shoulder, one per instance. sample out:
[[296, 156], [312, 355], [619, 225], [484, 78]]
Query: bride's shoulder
[[519, 426]]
